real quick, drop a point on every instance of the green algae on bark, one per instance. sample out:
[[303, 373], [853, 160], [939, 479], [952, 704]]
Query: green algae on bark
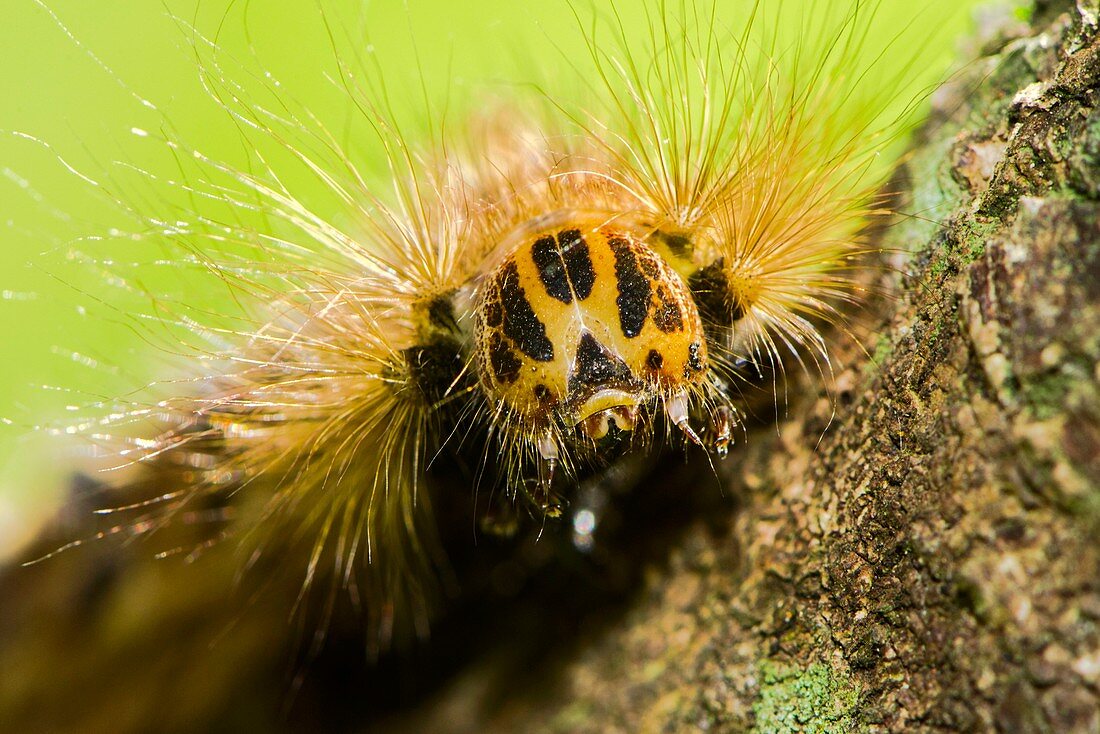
[[810, 701]]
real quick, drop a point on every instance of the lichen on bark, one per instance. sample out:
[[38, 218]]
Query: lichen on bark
[[810, 700]]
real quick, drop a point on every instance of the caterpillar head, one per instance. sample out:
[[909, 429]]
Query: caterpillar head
[[583, 326]]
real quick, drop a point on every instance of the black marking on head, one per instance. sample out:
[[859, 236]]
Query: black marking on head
[[435, 368], [654, 360], [551, 269], [716, 300], [650, 267], [521, 325], [666, 315], [494, 313], [544, 396], [596, 366], [578, 262], [634, 290], [502, 359], [565, 267], [695, 360]]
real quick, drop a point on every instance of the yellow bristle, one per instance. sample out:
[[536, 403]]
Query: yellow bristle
[[759, 148]]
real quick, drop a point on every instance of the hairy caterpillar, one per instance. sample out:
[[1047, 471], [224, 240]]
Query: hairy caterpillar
[[578, 273]]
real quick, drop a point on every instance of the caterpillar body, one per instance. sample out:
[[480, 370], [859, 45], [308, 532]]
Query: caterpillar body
[[531, 297]]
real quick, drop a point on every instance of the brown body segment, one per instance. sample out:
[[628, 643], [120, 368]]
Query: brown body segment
[[583, 319]]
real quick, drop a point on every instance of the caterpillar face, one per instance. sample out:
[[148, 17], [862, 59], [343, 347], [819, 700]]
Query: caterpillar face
[[581, 325]]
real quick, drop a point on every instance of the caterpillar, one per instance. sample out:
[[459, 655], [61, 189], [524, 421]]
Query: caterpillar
[[581, 273]]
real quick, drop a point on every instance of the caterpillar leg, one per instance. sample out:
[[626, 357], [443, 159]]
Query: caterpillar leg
[[542, 500], [502, 518], [548, 458], [539, 493], [676, 408], [721, 427], [535, 494]]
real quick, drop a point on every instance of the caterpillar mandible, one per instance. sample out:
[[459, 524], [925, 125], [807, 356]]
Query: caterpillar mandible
[[523, 293]]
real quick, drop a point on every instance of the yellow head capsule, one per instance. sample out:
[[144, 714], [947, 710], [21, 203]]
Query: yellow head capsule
[[583, 323]]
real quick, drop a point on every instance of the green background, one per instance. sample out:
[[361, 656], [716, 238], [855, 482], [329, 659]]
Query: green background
[[68, 340]]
